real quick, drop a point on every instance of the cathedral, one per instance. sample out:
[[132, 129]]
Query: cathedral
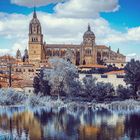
[[86, 53]]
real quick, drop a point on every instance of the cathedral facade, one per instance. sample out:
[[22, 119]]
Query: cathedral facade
[[88, 52]]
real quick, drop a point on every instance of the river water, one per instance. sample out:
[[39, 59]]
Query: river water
[[77, 123]]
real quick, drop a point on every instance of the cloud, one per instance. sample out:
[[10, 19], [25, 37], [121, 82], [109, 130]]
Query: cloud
[[131, 35], [85, 8], [74, 8], [12, 51], [132, 56], [32, 3], [13, 25]]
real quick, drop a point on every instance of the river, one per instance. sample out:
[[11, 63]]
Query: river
[[76, 123]]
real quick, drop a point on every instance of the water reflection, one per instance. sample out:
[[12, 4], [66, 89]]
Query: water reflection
[[77, 123]]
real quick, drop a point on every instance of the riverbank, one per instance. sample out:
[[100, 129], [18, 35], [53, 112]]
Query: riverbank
[[38, 102]]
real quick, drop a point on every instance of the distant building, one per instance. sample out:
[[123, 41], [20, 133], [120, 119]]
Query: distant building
[[116, 78], [88, 52]]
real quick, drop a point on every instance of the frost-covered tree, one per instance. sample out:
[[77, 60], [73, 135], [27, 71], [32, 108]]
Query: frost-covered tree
[[61, 76], [132, 76], [12, 97], [89, 84], [103, 90]]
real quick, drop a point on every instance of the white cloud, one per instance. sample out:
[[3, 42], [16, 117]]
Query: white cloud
[[86, 8], [12, 51], [32, 3], [13, 25], [4, 51], [131, 35], [132, 56]]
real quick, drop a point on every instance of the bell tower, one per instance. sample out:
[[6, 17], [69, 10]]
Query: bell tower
[[35, 39], [88, 50]]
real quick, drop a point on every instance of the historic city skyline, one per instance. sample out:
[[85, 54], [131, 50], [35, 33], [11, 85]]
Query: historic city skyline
[[85, 53], [122, 33]]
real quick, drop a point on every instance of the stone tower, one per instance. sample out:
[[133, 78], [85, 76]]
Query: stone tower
[[35, 39], [88, 50]]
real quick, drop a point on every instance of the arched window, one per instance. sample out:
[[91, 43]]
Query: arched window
[[88, 52]]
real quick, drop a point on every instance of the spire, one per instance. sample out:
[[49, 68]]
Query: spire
[[89, 29], [118, 51], [18, 54], [34, 15]]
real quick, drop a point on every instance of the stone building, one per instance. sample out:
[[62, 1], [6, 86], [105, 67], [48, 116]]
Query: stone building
[[88, 52]]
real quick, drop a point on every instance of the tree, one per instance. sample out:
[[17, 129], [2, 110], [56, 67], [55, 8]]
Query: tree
[[41, 85], [103, 90], [36, 85], [89, 86], [132, 76], [61, 76], [76, 88], [124, 92]]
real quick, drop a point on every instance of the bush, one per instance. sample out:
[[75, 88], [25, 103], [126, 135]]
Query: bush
[[104, 90], [38, 100], [11, 97], [124, 92], [89, 86]]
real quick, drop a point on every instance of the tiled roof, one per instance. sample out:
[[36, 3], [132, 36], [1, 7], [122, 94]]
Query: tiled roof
[[116, 72], [92, 66], [101, 47], [62, 46], [14, 77]]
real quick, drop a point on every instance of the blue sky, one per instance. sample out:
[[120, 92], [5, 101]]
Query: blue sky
[[126, 16], [125, 20]]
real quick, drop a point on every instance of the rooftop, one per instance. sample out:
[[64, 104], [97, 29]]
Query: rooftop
[[92, 66], [116, 72]]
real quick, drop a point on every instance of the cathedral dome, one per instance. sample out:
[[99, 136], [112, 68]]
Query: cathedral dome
[[89, 33]]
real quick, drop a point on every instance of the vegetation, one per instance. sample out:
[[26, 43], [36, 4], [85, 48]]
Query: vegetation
[[62, 80], [62, 76], [40, 85], [11, 97], [132, 76], [124, 92]]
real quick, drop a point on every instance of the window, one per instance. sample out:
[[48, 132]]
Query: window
[[120, 76], [88, 51], [104, 76], [89, 75]]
